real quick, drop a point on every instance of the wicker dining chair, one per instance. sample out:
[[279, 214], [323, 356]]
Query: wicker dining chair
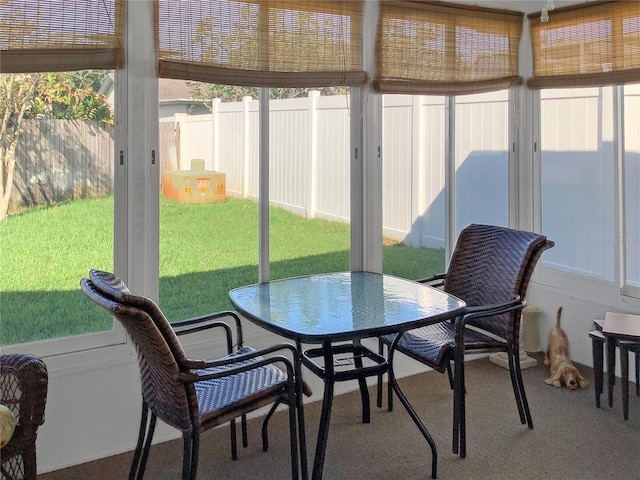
[[23, 390], [490, 270], [196, 395]]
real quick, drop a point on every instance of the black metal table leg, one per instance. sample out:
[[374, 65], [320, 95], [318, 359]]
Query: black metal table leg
[[325, 417], [364, 390], [597, 348], [624, 372], [304, 467], [337, 368], [414, 416], [611, 366]]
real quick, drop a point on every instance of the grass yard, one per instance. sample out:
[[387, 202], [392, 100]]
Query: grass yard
[[205, 250]]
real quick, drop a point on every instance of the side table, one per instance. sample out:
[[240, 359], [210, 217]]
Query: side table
[[622, 331]]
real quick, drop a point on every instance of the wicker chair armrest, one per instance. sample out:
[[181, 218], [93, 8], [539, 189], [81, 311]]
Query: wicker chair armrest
[[434, 281], [206, 322], [201, 364], [478, 311], [292, 368]]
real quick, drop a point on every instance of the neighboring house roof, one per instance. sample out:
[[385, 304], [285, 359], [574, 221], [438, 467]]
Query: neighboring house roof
[[171, 92], [170, 89], [175, 97]]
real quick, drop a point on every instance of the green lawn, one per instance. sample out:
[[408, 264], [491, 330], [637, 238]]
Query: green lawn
[[205, 250]]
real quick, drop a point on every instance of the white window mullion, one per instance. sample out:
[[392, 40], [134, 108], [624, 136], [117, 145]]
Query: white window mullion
[[618, 185], [366, 160], [141, 269], [263, 189], [450, 177]]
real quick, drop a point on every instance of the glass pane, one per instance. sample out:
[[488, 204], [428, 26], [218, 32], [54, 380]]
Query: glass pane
[[577, 179], [208, 204], [482, 159], [309, 175], [632, 182], [59, 221], [413, 185]]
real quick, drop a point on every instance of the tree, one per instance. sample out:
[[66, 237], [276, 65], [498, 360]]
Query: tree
[[233, 93], [72, 95], [17, 94], [69, 95]]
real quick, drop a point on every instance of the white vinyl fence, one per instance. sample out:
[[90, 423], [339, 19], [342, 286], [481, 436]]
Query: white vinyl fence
[[309, 165], [309, 158]]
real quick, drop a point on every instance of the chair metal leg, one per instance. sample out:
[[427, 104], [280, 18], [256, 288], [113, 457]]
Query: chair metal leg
[[234, 439], [515, 384], [459, 416], [390, 396], [380, 376], [191, 442], [141, 436], [518, 387], [638, 371], [145, 436], [265, 425], [245, 435], [450, 375], [147, 446]]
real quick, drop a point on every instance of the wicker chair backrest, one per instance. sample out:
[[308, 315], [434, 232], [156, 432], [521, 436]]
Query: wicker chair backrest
[[113, 287], [491, 265], [173, 401]]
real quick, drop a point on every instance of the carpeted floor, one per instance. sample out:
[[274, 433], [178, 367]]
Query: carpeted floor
[[571, 439]]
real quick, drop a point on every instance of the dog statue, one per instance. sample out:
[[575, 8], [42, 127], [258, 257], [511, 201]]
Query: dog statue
[[563, 372]]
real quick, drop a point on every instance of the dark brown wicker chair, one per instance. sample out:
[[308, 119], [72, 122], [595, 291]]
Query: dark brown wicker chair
[[196, 395], [23, 389], [490, 269]]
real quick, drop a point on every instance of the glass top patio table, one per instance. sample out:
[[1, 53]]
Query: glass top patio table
[[342, 307]]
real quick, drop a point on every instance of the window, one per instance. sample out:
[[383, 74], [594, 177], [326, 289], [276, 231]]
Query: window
[[582, 183], [413, 185], [431, 171], [61, 208], [210, 242], [291, 46], [482, 159], [577, 168], [631, 173], [208, 201], [415, 182], [309, 183], [589, 140]]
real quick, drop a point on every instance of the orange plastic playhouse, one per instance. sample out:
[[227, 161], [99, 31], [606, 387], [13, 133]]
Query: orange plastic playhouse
[[194, 186]]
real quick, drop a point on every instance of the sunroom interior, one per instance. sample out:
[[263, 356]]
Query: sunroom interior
[[562, 75]]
